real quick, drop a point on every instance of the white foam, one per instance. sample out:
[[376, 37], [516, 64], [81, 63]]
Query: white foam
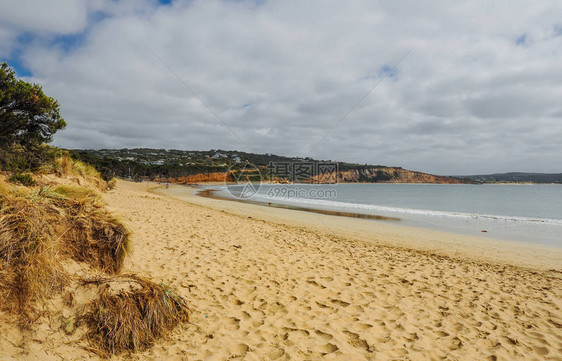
[[386, 210]]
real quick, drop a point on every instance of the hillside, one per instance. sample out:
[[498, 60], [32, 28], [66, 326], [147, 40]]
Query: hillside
[[392, 175], [517, 177], [196, 166]]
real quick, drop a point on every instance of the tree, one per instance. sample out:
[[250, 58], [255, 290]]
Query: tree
[[28, 117]]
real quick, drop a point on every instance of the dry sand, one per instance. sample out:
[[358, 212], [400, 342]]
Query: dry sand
[[290, 285]]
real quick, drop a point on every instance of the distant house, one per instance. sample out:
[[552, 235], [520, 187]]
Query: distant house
[[219, 155]]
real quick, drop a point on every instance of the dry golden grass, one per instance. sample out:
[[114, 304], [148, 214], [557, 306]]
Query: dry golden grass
[[75, 192], [93, 235], [129, 320], [112, 183], [40, 227], [65, 166], [4, 188], [97, 237], [29, 269]]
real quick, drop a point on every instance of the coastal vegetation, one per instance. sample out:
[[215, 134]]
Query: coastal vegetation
[[132, 320], [518, 177], [214, 165], [28, 119], [184, 166], [61, 251]]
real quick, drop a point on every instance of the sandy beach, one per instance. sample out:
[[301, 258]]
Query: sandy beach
[[261, 290], [277, 284]]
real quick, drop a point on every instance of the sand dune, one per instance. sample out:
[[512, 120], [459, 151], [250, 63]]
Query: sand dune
[[265, 291]]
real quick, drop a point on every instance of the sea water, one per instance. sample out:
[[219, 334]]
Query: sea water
[[525, 213]]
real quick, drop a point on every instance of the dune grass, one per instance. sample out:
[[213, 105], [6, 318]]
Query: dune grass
[[41, 227], [29, 269], [96, 237], [64, 165], [93, 235], [132, 319]]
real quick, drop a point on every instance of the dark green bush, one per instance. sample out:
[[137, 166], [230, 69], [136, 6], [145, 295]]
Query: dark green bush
[[28, 120], [23, 179], [17, 159]]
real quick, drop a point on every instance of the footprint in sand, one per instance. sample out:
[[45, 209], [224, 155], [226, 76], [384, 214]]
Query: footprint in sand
[[356, 341], [321, 305], [327, 348], [363, 326], [240, 349], [275, 354], [340, 303], [324, 335], [232, 324]]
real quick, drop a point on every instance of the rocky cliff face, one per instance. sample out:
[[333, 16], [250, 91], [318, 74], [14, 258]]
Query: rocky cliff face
[[359, 175], [385, 175], [202, 177]]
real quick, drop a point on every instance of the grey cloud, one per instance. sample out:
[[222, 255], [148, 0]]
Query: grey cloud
[[57, 16], [467, 99]]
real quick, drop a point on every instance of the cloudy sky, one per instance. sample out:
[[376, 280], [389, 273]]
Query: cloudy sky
[[438, 87]]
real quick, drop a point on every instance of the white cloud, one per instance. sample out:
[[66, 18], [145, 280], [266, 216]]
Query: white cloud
[[468, 99], [54, 16]]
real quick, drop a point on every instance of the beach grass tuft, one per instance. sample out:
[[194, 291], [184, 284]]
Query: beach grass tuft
[[94, 235], [129, 320]]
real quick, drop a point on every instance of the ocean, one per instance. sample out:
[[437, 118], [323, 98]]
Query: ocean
[[523, 213]]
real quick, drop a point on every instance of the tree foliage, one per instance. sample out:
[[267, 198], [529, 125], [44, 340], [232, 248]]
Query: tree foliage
[[28, 118]]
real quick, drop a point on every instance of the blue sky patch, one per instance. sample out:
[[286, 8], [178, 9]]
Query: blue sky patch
[[69, 42], [14, 59], [392, 73], [18, 66], [522, 40]]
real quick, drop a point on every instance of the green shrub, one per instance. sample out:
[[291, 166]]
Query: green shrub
[[17, 159], [23, 179]]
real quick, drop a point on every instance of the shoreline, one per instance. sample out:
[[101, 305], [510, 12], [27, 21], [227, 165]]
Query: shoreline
[[379, 231], [209, 193]]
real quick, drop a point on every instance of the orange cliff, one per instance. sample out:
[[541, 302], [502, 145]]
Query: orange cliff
[[384, 175], [359, 175], [200, 178]]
